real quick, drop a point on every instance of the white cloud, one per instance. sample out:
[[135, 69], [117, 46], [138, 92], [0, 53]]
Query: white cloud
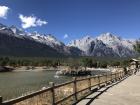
[[3, 11], [40, 22], [31, 21], [66, 36]]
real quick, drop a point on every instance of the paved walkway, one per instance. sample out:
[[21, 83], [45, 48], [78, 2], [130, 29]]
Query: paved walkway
[[126, 92]]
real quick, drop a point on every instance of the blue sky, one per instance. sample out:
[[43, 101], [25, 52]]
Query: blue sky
[[76, 18]]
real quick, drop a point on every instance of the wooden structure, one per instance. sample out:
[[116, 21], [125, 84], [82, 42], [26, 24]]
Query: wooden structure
[[67, 93], [135, 63]]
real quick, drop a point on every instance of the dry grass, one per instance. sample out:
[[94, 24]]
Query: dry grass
[[42, 99]]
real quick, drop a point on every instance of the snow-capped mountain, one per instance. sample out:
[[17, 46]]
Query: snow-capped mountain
[[92, 47], [121, 46], [105, 44], [6, 30], [19, 36], [51, 41], [13, 31], [17, 31], [42, 38], [46, 39], [83, 44], [2, 26], [113, 40]]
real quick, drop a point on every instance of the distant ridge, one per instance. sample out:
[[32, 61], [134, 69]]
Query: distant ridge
[[17, 42], [105, 45]]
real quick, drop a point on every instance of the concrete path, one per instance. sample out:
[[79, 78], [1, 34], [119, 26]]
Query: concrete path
[[126, 92]]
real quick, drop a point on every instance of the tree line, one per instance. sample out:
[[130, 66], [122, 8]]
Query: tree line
[[137, 46], [72, 62]]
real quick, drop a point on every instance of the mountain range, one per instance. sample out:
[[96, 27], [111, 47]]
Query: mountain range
[[17, 42]]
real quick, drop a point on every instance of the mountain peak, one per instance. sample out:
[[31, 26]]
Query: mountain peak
[[108, 34], [106, 44], [17, 31], [108, 37], [46, 39], [87, 37], [1, 25]]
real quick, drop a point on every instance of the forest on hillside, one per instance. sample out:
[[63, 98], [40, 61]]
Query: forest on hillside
[[72, 62]]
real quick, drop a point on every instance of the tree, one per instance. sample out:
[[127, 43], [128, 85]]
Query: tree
[[115, 63], [4, 61], [103, 64], [137, 46], [125, 63], [12, 63], [74, 66], [94, 63], [87, 62]]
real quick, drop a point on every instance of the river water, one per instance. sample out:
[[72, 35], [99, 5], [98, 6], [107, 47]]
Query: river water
[[14, 84]]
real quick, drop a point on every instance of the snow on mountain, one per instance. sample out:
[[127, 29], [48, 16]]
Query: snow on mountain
[[101, 50], [113, 41], [41, 38], [83, 44], [17, 31], [121, 46], [51, 41], [46, 39], [6, 30], [13, 31], [105, 44], [92, 47], [2, 26], [109, 39], [128, 44]]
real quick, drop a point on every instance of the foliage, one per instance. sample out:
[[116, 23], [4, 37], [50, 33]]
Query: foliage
[[72, 62], [86, 62], [103, 64], [137, 46], [115, 63], [125, 63], [4, 61]]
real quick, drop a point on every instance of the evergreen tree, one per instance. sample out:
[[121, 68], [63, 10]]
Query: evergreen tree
[[86, 62], [137, 46]]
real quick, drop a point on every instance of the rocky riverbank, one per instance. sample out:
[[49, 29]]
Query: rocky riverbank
[[88, 71], [6, 69], [40, 68], [64, 70]]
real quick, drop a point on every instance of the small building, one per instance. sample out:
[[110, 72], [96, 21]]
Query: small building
[[135, 63]]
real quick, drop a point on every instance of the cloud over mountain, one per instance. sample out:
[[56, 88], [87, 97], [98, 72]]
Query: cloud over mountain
[[31, 21], [66, 36], [3, 11]]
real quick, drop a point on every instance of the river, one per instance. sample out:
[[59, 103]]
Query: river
[[14, 84]]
